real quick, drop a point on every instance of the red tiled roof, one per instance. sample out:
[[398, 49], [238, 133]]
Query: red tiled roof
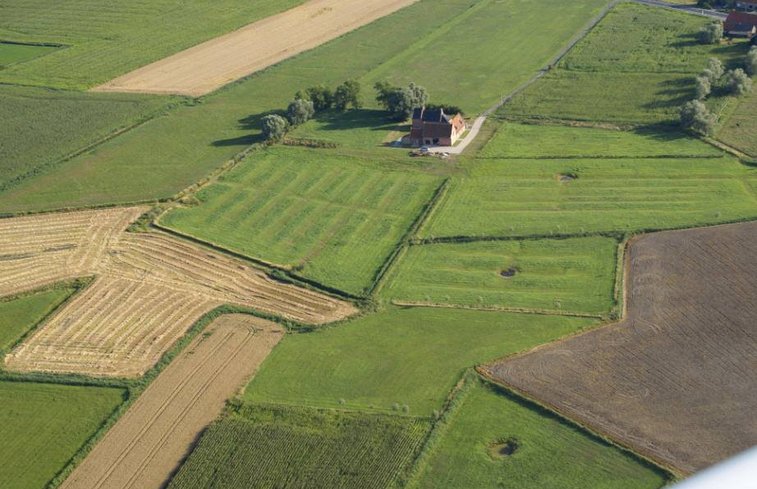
[[739, 18]]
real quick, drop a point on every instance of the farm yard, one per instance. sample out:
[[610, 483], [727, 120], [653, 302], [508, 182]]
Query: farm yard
[[185, 304]]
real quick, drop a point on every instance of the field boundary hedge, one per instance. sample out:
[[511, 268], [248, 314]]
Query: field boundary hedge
[[520, 310]]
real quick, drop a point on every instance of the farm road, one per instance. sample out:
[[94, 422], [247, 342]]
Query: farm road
[[147, 444]]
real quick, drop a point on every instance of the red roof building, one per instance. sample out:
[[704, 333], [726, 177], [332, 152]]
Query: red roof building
[[740, 24], [434, 127]]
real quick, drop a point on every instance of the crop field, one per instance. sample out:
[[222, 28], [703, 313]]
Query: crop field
[[42, 126], [409, 357], [44, 425], [555, 141], [677, 384], [19, 315], [331, 218], [119, 37], [547, 197], [637, 66], [276, 446], [545, 451], [153, 286], [571, 275], [739, 129], [148, 443], [11, 53]]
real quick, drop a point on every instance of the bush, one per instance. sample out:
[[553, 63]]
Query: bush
[[400, 102], [711, 33], [347, 94], [300, 111], [715, 67], [321, 96], [703, 86], [751, 61], [738, 82], [274, 127], [696, 116], [447, 108]]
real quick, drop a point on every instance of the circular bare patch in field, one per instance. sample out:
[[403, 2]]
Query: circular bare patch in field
[[508, 273], [503, 448], [567, 177]]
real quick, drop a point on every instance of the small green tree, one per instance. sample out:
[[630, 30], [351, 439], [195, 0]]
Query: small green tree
[[711, 33], [347, 95], [274, 127], [300, 111], [738, 82], [321, 96], [400, 102], [751, 61], [695, 116], [703, 86], [715, 67]]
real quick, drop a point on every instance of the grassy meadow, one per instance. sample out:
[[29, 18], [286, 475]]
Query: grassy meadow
[[330, 218], [11, 53], [44, 425], [637, 66], [550, 453], [398, 357], [276, 446], [21, 314], [572, 275], [104, 39], [740, 129]]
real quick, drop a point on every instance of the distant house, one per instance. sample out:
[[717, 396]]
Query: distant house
[[434, 127], [740, 24], [747, 5]]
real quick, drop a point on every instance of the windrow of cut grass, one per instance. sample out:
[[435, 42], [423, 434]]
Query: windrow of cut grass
[[496, 440], [562, 276], [278, 446], [330, 218], [637, 66], [578, 196], [20, 314], [103, 39], [170, 153], [44, 425], [398, 357]]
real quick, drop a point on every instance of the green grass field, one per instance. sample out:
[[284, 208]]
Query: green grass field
[[571, 275], [274, 446], [555, 141], [637, 66], [104, 39], [44, 425], [42, 126], [332, 218], [19, 315], [410, 357], [527, 197], [740, 128], [11, 53], [550, 452]]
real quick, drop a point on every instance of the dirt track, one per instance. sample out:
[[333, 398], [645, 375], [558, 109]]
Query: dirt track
[[675, 380], [147, 444], [212, 64], [149, 289]]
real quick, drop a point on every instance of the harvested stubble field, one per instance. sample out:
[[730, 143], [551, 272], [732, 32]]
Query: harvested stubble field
[[271, 446], [675, 379], [210, 65], [149, 289], [148, 443]]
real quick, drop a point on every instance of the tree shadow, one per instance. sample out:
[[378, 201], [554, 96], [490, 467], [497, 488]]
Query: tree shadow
[[373, 119], [249, 123]]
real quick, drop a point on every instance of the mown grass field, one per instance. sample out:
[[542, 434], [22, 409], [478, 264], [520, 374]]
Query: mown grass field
[[11, 54], [527, 197], [637, 66], [571, 275], [172, 152], [408, 357], [19, 315], [740, 128], [275, 446], [550, 452], [41, 126], [331, 218], [555, 141], [44, 425], [105, 39]]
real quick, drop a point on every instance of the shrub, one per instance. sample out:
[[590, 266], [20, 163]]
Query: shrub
[[711, 33], [703, 86], [400, 102], [321, 96], [274, 127], [696, 116], [738, 82], [300, 111], [347, 94], [715, 67], [751, 61]]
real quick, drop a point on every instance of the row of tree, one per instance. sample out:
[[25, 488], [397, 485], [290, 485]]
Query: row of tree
[[400, 102]]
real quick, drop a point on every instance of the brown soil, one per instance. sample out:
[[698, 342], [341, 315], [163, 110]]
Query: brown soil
[[212, 64], [148, 443], [675, 380], [150, 288]]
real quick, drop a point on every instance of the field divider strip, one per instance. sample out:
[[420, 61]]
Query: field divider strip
[[519, 310], [616, 235]]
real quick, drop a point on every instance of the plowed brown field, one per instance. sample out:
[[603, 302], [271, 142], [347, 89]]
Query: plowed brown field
[[147, 444], [675, 380], [212, 64], [150, 288]]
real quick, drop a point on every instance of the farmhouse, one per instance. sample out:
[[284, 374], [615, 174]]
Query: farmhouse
[[435, 127], [740, 24]]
